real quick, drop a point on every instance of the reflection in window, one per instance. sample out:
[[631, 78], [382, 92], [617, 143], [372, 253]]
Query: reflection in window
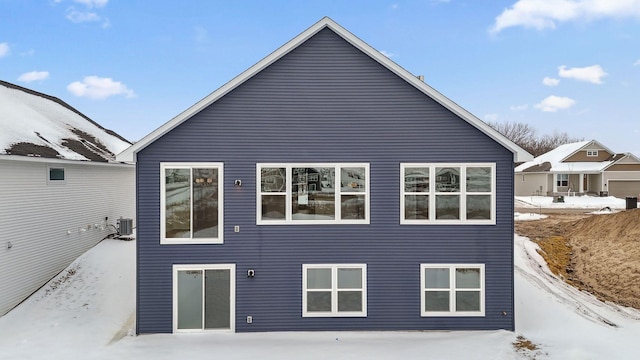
[[313, 193], [447, 179], [416, 189], [352, 193], [190, 198], [336, 193], [273, 185], [458, 192]]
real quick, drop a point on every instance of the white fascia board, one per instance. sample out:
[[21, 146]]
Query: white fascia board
[[39, 159], [520, 155]]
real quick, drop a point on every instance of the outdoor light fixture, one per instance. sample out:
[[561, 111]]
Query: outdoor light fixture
[[237, 182]]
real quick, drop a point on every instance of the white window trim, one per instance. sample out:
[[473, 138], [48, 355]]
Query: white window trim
[[560, 179], [288, 196], [56, 182], [462, 193], [180, 165], [452, 299], [592, 153], [232, 292], [334, 290]]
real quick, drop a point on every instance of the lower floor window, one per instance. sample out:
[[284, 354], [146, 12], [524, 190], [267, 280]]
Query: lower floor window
[[562, 180], [452, 290], [203, 297], [334, 290]]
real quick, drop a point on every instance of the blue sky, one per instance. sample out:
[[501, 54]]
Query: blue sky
[[566, 65]]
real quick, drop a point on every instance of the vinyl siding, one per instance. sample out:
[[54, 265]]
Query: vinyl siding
[[35, 217], [326, 102]]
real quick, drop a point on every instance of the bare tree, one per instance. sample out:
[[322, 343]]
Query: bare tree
[[525, 136]]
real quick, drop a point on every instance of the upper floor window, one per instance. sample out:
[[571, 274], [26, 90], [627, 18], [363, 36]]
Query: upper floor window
[[452, 290], [313, 193], [592, 153], [562, 180], [191, 203], [447, 193], [334, 290], [55, 175]]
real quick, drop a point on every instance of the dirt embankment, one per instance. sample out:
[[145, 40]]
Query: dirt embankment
[[596, 253]]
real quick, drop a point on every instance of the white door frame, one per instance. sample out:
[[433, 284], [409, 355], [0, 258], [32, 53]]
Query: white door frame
[[232, 293]]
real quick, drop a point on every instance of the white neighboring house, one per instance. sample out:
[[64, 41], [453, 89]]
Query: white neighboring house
[[61, 192], [585, 167]]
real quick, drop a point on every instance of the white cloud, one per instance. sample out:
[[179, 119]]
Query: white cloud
[[519, 107], [4, 49], [592, 74], [81, 16], [93, 3], [33, 76], [637, 63], [554, 103], [94, 87], [550, 81], [491, 117], [544, 14], [88, 15]]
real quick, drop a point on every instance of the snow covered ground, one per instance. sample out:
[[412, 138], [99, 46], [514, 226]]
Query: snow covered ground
[[86, 313], [571, 202], [590, 204]]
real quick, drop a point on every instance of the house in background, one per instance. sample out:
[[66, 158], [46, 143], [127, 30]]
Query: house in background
[[585, 167], [324, 188], [60, 190]]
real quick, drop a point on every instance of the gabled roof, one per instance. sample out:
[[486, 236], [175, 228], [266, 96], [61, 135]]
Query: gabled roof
[[129, 155], [553, 161], [624, 158], [37, 125]]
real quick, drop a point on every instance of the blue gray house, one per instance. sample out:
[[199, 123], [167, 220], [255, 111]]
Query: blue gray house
[[325, 188]]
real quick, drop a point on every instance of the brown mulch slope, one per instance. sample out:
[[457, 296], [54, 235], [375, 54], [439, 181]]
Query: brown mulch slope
[[597, 253]]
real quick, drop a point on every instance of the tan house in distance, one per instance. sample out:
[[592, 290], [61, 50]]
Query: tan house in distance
[[585, 167]]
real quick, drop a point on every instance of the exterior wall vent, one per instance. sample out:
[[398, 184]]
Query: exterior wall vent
[[125, 226]]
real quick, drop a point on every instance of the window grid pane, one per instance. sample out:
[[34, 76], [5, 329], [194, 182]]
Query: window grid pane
[[349, 278], [191, 203], [416, 207], [352, 179], [447, 207], [319, 279], [437, 278], [274, 207], [205, 203], [437, 301], [316, 193], [334, 290], [177, 203], [319, 301], [452, 289], [416, 179], [349, 301], [273, 180], [459, 193], [467, 300]]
